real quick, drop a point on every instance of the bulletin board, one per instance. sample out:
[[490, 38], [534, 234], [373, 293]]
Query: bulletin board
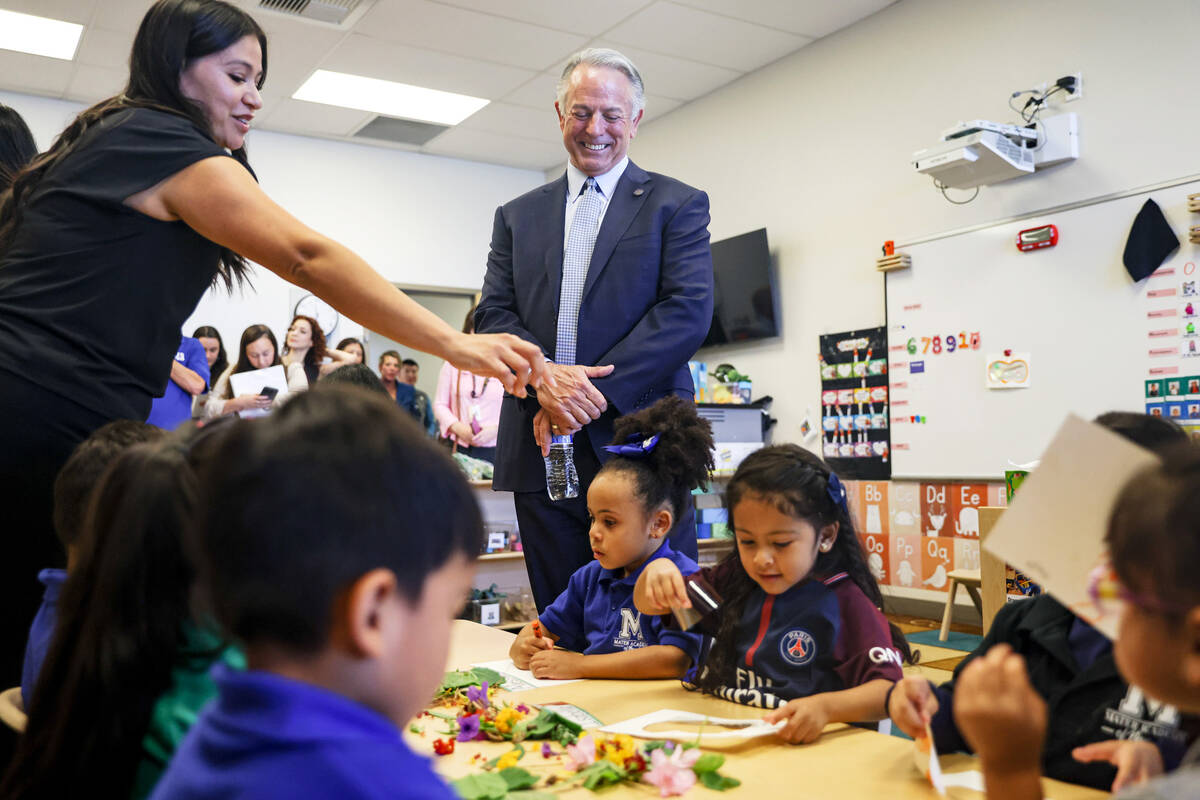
[[1066, 322]]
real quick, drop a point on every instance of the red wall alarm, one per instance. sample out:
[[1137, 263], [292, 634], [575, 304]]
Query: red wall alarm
[[1037, 238]]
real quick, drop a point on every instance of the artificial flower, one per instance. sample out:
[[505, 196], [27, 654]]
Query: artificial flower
[[582, 754], [547, 751], [618, 748], [506, 717], [468, 727], [509, 759], [672, 774]]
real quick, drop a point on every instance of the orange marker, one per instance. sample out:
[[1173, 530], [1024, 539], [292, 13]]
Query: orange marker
[[537, 629]]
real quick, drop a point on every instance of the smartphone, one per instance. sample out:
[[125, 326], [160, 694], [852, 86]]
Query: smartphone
[[269, 391]]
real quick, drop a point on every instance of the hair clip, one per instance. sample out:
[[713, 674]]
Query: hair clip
[[635, 446], [837, 492]]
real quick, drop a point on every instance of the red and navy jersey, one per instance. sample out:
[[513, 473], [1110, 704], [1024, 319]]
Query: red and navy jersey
[[822, 635]]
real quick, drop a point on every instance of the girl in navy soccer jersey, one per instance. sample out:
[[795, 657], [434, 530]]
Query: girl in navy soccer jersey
[[799, 630], [662, 453]]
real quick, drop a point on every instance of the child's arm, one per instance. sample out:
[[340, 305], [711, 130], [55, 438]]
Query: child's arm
[[533, 638], [660, 588], [1004, 721], [655, 661], [806, 716]]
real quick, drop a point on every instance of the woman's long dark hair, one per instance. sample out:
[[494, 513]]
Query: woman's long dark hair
[[222, 362], [796, 482], [118, 632], [172, 35], [250, 335], [17, 147]]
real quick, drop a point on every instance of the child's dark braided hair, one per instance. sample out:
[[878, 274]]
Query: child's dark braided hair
[[797, 483], [680, 461]]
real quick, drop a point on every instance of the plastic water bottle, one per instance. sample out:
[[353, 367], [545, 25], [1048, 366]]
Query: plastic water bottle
[[562, 481]]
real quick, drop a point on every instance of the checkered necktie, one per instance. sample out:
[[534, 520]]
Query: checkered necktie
[[576, 258]]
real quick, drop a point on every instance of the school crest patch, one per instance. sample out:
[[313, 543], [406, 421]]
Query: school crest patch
[[797, 647]]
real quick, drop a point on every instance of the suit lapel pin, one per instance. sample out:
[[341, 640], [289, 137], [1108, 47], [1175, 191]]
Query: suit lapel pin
[[638, 192]]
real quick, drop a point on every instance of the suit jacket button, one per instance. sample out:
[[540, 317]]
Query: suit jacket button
[[637, 192]]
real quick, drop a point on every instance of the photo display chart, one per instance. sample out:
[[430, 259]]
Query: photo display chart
[[854, 403], [1048, 332], [1171, 304]]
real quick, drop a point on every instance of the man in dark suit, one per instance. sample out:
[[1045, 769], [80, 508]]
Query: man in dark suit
[[608, 270]]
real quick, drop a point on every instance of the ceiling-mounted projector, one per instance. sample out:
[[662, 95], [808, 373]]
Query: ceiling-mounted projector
[[975, 158]]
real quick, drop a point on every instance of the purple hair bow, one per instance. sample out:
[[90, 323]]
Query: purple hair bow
[[635, 446]]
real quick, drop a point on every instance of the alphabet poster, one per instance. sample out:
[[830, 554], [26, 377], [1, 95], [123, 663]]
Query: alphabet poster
[[856, 439]]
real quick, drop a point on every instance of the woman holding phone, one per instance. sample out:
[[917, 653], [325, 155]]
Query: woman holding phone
[[258, 350]]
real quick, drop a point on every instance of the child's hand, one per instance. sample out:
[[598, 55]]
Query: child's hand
[[1136, 761], [663, 587], [526, 644], [556, 664], [1000, 715], [912, 704], [806, 718]]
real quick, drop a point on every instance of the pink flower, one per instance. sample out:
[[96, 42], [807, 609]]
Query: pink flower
[[672, 774], [582, 754]]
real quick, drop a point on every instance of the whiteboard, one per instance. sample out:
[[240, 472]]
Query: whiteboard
[[1072, 308]]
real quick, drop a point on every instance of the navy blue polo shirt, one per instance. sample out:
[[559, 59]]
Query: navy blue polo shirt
[[595, 613], [821, 635], [266, 736]]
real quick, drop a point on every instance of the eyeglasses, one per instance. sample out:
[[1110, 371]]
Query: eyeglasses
[[1107, 593]]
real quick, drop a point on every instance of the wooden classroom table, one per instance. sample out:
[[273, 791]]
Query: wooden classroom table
[[845, 762]]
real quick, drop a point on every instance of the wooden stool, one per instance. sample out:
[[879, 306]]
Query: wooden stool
[[970, 580]]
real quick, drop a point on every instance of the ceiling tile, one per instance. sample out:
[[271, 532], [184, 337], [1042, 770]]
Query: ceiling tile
[[698, 35], [472, 34], [538, 92], [93, 84], [21, 72], [495, 148], [815, 18], [300, 116], [120, 15], [659, 106], [104, 48], [78, 11], [672, 77], [586, 18], [295, 49], [515, 120], [376, 58]]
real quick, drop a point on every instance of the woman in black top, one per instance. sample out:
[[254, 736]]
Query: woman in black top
[[143, 202]]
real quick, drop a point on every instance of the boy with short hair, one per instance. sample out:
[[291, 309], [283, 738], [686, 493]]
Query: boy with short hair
[[72, 490], [342, 600]]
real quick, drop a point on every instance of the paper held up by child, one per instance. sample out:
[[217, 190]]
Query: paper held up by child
[[925, 756], [254, 382], [519, 680], [1054, 529], [708, 730]]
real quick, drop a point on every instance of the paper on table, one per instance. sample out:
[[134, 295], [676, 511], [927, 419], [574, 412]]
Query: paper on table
[[925, 756], [971, 779], [519, 680], [727, 728], [253, 382], [1054, 528]]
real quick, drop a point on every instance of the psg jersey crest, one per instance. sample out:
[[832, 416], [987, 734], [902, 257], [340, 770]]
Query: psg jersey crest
[[797, 647]]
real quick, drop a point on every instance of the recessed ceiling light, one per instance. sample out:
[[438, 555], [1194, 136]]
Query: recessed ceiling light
[[388, 97], [39, 36]]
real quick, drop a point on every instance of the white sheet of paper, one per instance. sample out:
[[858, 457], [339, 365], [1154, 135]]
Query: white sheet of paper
[[253, 382], [519, 680], [927, 761], [729, 728], [1054, 529]]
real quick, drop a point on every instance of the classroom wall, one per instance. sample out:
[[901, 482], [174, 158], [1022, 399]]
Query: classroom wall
[[816, 146], [418, 219]]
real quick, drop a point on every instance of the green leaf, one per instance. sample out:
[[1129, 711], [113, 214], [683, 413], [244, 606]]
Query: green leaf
[[718, 782], [492, 677], [601, 773], [709, 762], [525, 794], [484, 786], [654, 744], [518, 778], [415, 728], [457, 679]]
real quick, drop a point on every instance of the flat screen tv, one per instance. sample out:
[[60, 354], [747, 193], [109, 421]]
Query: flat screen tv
[[744, 297]]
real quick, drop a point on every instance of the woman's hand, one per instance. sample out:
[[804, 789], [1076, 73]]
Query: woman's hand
[[660, 588], [244, 402], [462, 433], [805, 718], [1136, 761], [513, 361], [912, 704]]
